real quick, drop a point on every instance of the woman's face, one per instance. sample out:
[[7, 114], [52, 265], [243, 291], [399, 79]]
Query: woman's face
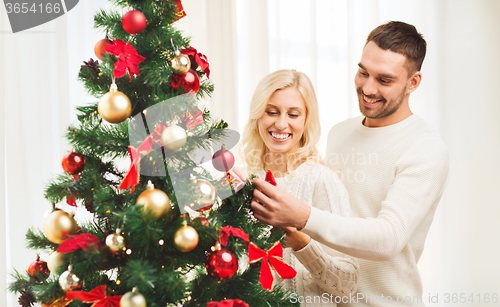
[[282, 125]]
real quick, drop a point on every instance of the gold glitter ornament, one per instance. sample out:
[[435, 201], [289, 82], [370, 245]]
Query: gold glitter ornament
[[115, 241], [186, 239], [58, 225], [180, 63], [114, 106], [155, 202]]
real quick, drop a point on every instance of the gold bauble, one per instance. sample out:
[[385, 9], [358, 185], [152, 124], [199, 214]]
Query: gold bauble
[[55, 261], [69, 281], [173, 137], [204, 194], [186, 239], [114, 106], [58, 225], [133, 299], [181, 63], [115, 241], [155, 202]]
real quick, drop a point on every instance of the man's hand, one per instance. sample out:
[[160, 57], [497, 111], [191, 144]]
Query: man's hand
[[278, 208]]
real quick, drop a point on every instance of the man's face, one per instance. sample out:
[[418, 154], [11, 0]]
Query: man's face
[[382, 84]]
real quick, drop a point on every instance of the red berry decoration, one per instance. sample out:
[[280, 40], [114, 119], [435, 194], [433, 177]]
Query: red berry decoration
[[221, 264], [99, 47], [188, 81], [73, 163], [134, 22], [38, 270], [223, 160]]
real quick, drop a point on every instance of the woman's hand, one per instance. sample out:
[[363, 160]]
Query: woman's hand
[[295, 239]]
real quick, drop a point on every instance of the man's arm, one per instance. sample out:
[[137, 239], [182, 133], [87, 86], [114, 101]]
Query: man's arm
[[416, 190]]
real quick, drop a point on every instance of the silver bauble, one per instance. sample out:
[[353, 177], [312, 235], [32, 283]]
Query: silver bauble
[[173, 137]]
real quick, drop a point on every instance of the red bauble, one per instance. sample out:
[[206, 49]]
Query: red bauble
[[223, 160], [99, 47], [134, 22], [188, 81], [221, 264], [38, 270], [73, 163]]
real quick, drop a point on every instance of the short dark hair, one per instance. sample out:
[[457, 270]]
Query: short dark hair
[[402, 38]]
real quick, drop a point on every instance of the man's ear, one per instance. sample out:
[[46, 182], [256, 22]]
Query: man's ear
[[415, 80]]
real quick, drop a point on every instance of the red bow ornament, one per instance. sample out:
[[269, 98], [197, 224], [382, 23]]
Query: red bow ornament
[[228, 303], [193, 117], [199, 58], [82, 241], [274, 255], [128, 58], [132, 177], [234, 181], [180, 10], [228, 230], [97, 296]]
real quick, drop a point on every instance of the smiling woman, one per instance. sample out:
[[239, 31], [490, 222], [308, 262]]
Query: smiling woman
[[281, 135], [283, 127]]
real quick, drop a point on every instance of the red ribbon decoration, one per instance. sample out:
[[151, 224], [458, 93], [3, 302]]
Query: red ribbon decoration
[[275, 256], [97, 296], [132, 177], [234, 181], [180, 10], [228, 303], [228, 230], [193, 120], [82, 241]]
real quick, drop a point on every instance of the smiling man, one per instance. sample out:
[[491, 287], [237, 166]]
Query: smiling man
[[394, 167]]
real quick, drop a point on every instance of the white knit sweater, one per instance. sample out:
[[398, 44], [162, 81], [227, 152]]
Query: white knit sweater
[[395, 176], [322, 273]]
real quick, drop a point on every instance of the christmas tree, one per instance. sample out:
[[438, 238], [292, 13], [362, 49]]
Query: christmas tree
[[165, 231]]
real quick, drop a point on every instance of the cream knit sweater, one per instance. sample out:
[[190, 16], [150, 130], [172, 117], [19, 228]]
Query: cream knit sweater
[[322, 273], [395, 177]]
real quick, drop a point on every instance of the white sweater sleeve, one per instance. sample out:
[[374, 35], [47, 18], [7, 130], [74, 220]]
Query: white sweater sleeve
[[418, 184], [332, 271]]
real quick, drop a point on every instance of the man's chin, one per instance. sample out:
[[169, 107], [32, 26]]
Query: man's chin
[[369, 113]]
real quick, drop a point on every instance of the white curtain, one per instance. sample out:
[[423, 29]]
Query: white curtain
[[35, 111], [245, 40]]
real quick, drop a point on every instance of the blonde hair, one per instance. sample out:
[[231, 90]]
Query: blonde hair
[[253, 149]]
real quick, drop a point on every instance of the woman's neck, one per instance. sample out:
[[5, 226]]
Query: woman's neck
[[277, 163]]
